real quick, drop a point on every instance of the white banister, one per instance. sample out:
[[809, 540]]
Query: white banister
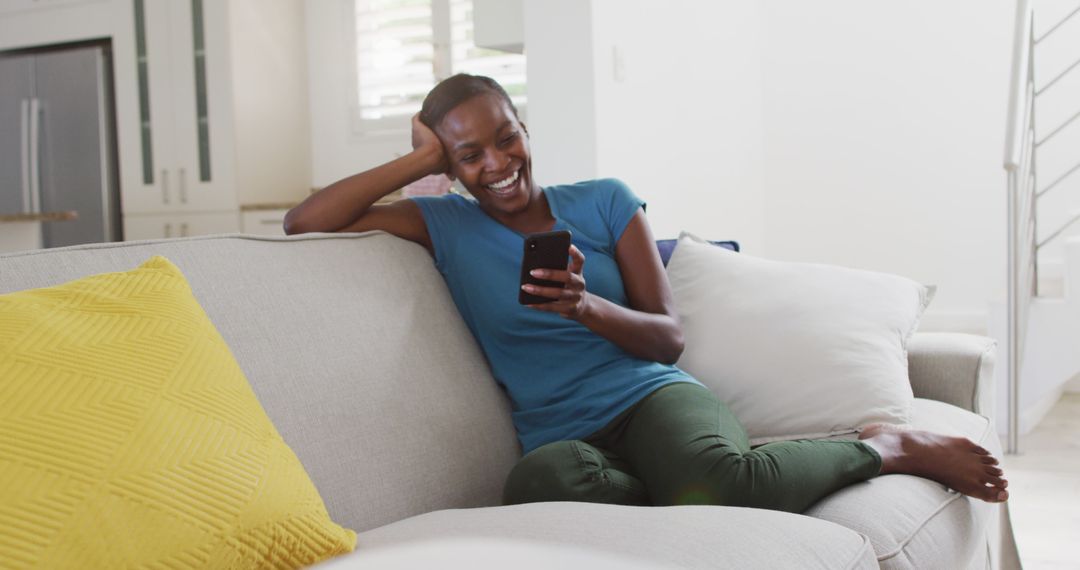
[[1020, 146], [1022, 41]]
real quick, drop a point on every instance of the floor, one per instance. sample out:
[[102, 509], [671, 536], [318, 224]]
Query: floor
[[1044, 485]]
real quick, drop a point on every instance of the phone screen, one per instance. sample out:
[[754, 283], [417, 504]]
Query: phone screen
[[548, 250]]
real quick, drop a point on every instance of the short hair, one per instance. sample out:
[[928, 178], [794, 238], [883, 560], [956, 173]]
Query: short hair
[[455, 90]]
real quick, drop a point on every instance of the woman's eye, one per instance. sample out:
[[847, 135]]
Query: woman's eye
[[469, 157], [508, 139]]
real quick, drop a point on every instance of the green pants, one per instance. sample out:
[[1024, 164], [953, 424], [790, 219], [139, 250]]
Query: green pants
[[682, 446]]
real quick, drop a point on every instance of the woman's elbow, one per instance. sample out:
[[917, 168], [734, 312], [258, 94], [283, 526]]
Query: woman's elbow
[[673, 349], [294, 224]]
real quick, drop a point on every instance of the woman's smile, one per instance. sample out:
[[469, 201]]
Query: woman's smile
[[505, 187]]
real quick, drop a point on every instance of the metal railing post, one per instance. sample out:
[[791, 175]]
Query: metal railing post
[[1012, 316]]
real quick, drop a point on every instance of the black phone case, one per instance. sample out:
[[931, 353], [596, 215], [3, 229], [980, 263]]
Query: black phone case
[[548, 250]]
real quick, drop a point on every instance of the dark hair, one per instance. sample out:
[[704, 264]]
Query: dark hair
[[455, 90]]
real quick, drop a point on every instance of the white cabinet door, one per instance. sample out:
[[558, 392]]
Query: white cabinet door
[[203, 154], [152, 185], [186, 162], [158, 226]]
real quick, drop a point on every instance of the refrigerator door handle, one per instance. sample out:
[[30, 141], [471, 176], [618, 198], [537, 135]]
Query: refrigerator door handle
[[164, 185], [24, 156], [35, 155]]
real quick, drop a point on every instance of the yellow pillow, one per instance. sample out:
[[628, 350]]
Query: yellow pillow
[[130, 437]]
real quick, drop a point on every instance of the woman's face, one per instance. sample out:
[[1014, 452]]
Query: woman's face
[[488, 151]]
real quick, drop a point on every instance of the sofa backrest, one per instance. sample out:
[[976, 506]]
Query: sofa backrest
[[356, 351]]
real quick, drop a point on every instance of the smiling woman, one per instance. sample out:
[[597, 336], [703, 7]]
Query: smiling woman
[[601, 412]]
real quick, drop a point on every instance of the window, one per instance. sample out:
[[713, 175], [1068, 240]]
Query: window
[[403, 47]]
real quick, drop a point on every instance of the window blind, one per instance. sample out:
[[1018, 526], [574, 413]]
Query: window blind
[[399, 47]]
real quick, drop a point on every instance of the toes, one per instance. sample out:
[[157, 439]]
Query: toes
[[988, 494], [990, 460], [992, 494], [980, 449], [995, 471]]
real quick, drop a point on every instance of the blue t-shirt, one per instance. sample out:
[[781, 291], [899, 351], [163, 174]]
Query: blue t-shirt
[[564, 381]]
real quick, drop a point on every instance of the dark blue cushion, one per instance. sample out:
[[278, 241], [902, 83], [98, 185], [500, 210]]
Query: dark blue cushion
[[667, 247]]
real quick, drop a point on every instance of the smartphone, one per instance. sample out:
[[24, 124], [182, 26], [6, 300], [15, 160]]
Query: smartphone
[[547, 250]]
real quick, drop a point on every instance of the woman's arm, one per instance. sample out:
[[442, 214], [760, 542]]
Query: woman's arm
[[348, 205], [650, 329]]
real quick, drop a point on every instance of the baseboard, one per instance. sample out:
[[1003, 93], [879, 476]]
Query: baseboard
[[1033, 414], [1073, 386]]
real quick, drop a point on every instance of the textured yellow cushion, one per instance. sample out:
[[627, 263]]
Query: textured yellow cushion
[[130, 437]]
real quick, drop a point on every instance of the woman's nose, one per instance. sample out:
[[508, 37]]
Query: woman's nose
[[496, 160]]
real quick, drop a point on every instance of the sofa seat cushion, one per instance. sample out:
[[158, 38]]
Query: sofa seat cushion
[[688, 537], [914, 522]]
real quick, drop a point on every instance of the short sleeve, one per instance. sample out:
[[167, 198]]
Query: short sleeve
[[441, 216], [622, 206]]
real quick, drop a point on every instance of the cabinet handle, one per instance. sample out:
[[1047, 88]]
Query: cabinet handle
[[168, 230], [183, 186], [35, 155], [25, 160], [164, 186], [183, 229]]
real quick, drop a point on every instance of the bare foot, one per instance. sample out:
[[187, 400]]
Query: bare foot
[[956, 462]]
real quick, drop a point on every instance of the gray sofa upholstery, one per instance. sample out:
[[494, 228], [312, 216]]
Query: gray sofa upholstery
[[357, 353]]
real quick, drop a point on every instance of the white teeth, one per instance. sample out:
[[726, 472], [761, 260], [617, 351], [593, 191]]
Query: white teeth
[[503, 184]]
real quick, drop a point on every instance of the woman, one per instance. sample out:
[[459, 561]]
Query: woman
[[601, 412]]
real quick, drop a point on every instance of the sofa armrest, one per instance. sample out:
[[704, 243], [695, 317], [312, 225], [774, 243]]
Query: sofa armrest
[[954, 368]]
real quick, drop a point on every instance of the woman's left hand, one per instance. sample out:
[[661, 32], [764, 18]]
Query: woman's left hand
[[572, 300]]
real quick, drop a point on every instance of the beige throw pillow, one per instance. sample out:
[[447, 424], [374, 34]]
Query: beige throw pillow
[[797, 350]]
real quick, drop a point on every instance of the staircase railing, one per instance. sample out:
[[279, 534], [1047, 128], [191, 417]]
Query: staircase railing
[[1039, 193], [1021, 147], [1020, 166]]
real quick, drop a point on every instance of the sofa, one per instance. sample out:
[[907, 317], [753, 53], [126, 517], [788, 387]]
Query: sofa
[[356, 352]]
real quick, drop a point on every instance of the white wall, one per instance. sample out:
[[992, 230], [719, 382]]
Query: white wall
[[269, 75], [560, 69], [867, 134], [884, 136], [336, 151], [679, 112]]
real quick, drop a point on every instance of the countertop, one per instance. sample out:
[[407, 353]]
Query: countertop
[[256, 207], [39, 217]]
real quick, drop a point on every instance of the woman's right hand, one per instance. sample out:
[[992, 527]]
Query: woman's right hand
[[425, 139]]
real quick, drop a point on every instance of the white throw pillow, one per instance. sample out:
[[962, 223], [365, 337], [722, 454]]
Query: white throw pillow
[[796, 350]]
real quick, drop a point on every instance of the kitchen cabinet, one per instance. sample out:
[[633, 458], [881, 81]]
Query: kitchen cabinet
[[157, 226], [211, 101], [184, 142], [263, 222]]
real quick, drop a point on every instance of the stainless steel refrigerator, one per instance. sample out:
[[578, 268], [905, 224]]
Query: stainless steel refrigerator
[[58, 140]]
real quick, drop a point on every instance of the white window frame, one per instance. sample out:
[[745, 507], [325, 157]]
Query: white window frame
[[396, 127]]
